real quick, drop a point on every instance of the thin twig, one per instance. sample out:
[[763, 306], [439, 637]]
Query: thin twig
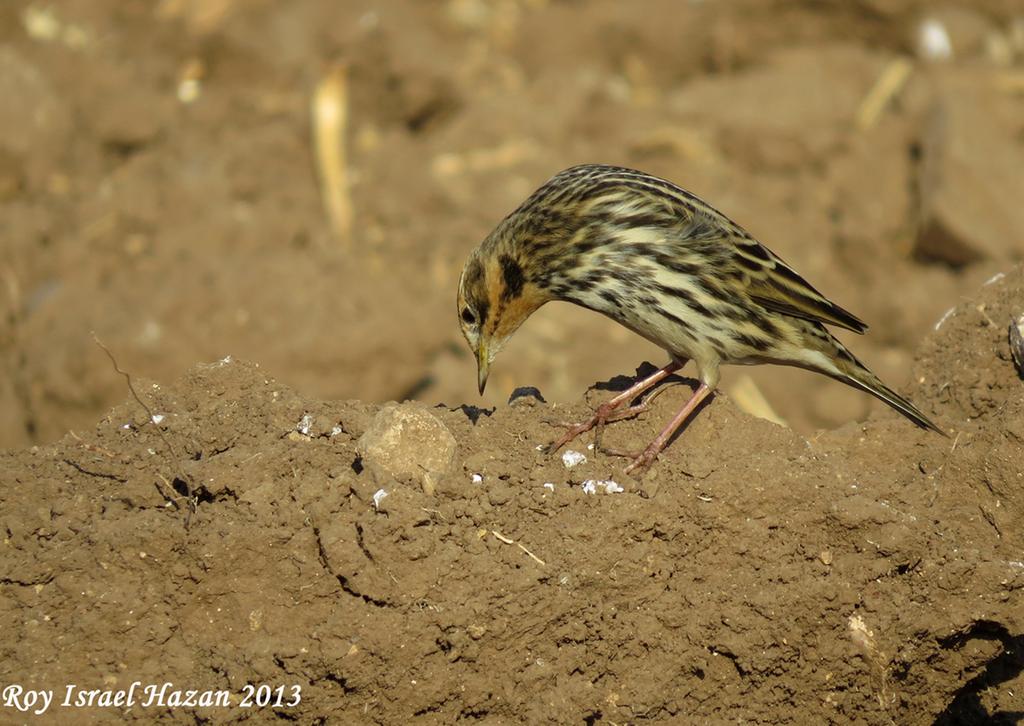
[[165, 490], [506, 540], [174, 458]]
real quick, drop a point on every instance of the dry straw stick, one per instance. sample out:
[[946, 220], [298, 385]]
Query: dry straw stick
[[330, 121], [508, 540], [864, 638], [887, 87]]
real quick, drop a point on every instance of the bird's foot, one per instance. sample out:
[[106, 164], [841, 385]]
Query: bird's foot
[[598, 419], [606, 413], [644, 459], [638, 461]]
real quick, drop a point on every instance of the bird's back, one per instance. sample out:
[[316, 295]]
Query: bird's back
[[666, 264]]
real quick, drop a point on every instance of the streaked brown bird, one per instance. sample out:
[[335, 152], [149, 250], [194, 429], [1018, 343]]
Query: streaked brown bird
[[669, 267]]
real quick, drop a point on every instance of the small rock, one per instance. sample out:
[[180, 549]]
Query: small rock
[[933, 41], [951, 32], [409, 443], [573, 458], [591, 486], [476, 631], [305, 425]]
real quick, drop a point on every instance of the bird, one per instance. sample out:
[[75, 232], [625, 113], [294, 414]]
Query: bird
[[666, 265]]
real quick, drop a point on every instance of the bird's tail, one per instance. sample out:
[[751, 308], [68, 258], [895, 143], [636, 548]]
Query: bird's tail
[[853, 373]]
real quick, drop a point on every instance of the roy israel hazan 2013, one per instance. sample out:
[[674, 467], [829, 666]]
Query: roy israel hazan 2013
[[164, 695]]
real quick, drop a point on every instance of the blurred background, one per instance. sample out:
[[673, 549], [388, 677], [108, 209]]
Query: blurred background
[[298, 183]]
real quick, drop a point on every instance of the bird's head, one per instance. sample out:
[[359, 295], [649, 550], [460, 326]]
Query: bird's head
[[495, 297]]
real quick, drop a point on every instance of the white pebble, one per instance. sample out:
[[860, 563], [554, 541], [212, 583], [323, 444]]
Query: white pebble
[[477, 478], [377, 497], [933, 41], [571, 458], [305, 424], [612, 488], [337, 430], [590, 486], [549, 485], [188, 90], [157, 418]]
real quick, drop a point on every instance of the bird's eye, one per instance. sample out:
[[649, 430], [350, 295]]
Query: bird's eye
[[468, 316]]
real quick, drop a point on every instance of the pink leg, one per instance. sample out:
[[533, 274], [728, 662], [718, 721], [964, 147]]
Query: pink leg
[[651, 452], [605, 410]]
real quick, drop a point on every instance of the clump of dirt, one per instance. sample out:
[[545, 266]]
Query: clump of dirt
[[869, 574]]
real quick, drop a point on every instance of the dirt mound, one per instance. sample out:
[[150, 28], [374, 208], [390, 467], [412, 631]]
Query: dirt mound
[[871, 574]]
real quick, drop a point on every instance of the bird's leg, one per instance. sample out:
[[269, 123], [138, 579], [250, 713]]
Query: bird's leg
[[629, 412], [649, 454], [605, 410]]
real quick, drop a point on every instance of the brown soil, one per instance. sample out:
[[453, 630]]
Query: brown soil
[[867, 573]]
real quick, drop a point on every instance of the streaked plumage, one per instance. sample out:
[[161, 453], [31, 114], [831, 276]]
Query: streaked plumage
[[668, 266]]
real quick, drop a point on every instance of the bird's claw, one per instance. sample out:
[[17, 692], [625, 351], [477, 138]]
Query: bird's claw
[[639, 461], [574, 431], [602, 416]]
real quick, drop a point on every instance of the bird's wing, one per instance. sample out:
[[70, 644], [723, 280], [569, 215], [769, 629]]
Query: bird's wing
[[776, 286]]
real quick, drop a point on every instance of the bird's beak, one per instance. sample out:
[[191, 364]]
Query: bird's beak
[[483, 364]]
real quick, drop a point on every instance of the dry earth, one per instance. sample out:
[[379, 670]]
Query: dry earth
[[871, 574]]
